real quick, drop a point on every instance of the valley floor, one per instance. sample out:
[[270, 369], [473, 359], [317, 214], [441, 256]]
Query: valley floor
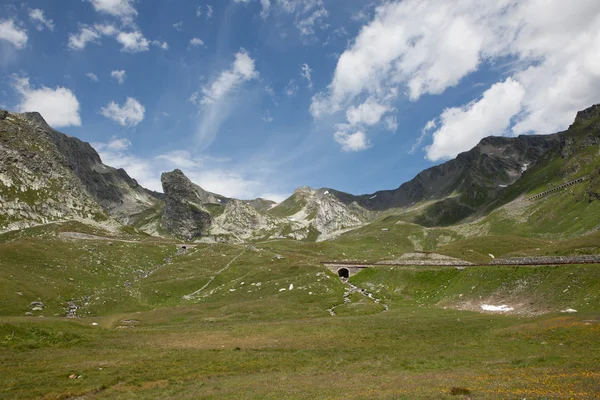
[[229, 321]]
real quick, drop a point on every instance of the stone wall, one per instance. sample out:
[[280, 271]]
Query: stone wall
[[583, 259]]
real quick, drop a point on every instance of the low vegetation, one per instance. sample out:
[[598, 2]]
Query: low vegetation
[[254, 321]]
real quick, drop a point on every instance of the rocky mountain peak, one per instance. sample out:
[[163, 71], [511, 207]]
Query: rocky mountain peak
[[176, 184], [35, 118], [304, 190], [588, 114]]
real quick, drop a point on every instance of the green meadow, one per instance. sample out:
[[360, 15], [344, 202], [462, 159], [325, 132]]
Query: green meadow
[[254, 321]]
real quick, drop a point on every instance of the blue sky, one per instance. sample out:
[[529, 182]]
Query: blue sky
[[258, 97]]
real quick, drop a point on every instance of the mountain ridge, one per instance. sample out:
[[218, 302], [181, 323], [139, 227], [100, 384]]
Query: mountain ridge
[[474, 183]]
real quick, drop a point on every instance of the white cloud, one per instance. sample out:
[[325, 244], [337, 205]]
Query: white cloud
[[117, 8], [90, 34], [461, 128], [133, 42], [119, 75], [93, 77], [196, 42], [180, 159], [118, 153], [130, 114], [309, 15], [13, 34], [178, 26], [368, 113], [163, 45], [39, 19], [266, 8], [215, 101], [391, 123], [419, 47], [209, 12], [242, 70], [117, 144], [306, 74], [351, 142], [86, 35], [58, 106], [199, 11]]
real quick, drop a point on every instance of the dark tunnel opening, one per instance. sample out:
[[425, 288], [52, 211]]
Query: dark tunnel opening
[[343, 273]]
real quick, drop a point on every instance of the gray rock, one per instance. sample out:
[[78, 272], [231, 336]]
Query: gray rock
[[36, 306], [184, 214]]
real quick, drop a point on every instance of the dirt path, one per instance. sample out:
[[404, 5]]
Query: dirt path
[[352, 288], [192, 295]]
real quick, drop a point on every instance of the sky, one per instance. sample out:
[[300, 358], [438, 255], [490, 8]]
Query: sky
[[259, 97]]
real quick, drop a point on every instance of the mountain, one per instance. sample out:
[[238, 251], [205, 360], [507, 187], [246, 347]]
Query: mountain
[[477, 180], [47, 176]]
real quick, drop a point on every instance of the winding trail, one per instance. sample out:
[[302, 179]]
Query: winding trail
[[352, 288], [192, 295]]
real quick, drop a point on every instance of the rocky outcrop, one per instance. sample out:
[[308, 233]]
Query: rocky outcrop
[[184, 214], [244, 222], [321, 211]]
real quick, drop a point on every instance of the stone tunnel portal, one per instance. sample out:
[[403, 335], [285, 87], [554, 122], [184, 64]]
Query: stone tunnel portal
[[343, 273]]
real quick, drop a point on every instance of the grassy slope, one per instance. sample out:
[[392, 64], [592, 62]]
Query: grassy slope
[[239, 340]]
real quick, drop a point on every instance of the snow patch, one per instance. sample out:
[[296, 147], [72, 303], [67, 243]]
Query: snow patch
[[372, 197], [502, 308], [291, 286], [524, 167], [569, 310], [326, 192], [502, 186], [282, 289], [491, 255]]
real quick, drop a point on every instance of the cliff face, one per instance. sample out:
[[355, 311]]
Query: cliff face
[[54, 169], [37, 185], [184, 214]]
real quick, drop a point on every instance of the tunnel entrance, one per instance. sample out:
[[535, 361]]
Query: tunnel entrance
[[343, 273]]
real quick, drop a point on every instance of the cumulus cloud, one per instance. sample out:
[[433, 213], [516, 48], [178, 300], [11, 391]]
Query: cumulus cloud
[[242, 70], [129, 114], [178, 25], [419, 47], [133, 42], [351, 141], [93, 77], [196, 42], [163, 45], [39, 19], [58, 106], [12, 33], [119, 75], [89, 34], [116, 8], [368, 113], [462, 128]]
